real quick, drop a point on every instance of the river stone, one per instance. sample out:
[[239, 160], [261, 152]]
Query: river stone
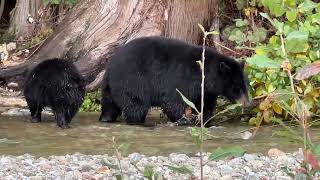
[[225, 170], [178, 158], [134, 157], [246, 135], [11, 46], [283, 178], [226, 177], [249, 157]]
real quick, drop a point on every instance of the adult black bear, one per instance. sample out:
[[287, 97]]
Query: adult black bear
[[55, 83], [147, 71]]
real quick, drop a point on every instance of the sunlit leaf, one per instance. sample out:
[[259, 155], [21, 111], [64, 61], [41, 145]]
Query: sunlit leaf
[[308, 71], [124, 147], [221, 153], [307, 5], [291, 15], [187, 101], [263, 61], [316, 150], [277, 108], [148, 173]]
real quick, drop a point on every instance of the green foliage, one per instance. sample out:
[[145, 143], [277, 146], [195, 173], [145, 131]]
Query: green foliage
[[70, 3], [221, 153], [187, 101], [180, 169], [293, 27], [149, 173], [91, 102]]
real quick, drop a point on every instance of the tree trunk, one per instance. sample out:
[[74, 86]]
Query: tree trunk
[[20, 25], [184, 17], [91, 31], [1, 7]]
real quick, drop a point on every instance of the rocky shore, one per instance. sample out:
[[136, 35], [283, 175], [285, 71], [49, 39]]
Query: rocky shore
[[80, 166]]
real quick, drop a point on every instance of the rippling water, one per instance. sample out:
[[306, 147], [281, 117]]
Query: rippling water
[[89, 136]]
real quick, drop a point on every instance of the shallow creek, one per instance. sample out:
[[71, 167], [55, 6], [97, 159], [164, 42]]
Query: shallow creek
[[89, 136]]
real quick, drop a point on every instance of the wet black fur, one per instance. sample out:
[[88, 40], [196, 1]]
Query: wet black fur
[[147, 71], [55, 83]]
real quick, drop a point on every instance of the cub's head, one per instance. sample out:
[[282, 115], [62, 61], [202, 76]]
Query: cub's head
[[234, 81]]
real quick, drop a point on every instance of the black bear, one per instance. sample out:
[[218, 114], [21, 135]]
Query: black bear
[[55, 83], [147, 71]]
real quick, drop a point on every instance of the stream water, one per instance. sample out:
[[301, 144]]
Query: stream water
[[89, 136]]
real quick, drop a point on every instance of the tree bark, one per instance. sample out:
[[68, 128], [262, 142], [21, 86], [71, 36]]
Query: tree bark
[[91, 31], [1, 7], [184, 17], [20, 26]]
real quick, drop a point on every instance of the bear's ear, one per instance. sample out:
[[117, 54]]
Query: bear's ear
[[224, 68], [242, 63]]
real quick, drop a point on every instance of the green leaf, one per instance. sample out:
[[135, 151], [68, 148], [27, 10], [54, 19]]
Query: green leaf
[[278, 10], [241, 23], [307, 6], [180, 169], [297, 41], [196, 135], [240, 4], [237, 36], [148, 172], [291, 15], [298, 35], [289, 136], [221, 153], [315, 149], [124, 147], [265, 15], [118, 176], [189, 103], [105, 162], [278, 25], [263, 61]]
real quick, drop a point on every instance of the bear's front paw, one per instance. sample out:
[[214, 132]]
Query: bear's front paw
[[184, 121], [35, 120]]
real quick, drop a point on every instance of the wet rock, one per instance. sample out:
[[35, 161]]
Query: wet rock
[[252, 176], [225, 170], [283, 178], [226, 177], [12, 85], [11, 46], [22, 112], [178, 158], [12, 102], [246, 135], [249, 157], [274, 152]]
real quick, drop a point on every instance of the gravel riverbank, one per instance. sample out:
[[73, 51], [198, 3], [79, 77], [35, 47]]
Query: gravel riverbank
[[79, 166]]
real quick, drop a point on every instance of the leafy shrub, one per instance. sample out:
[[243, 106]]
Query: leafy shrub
[[275, 30], [70, 3], [91, 102]]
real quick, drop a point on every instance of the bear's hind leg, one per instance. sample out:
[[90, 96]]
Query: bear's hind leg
[[136, 112], [35, 110]]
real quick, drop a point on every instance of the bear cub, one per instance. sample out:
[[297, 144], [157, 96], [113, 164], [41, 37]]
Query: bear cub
[[54, 83], [146, 72]]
